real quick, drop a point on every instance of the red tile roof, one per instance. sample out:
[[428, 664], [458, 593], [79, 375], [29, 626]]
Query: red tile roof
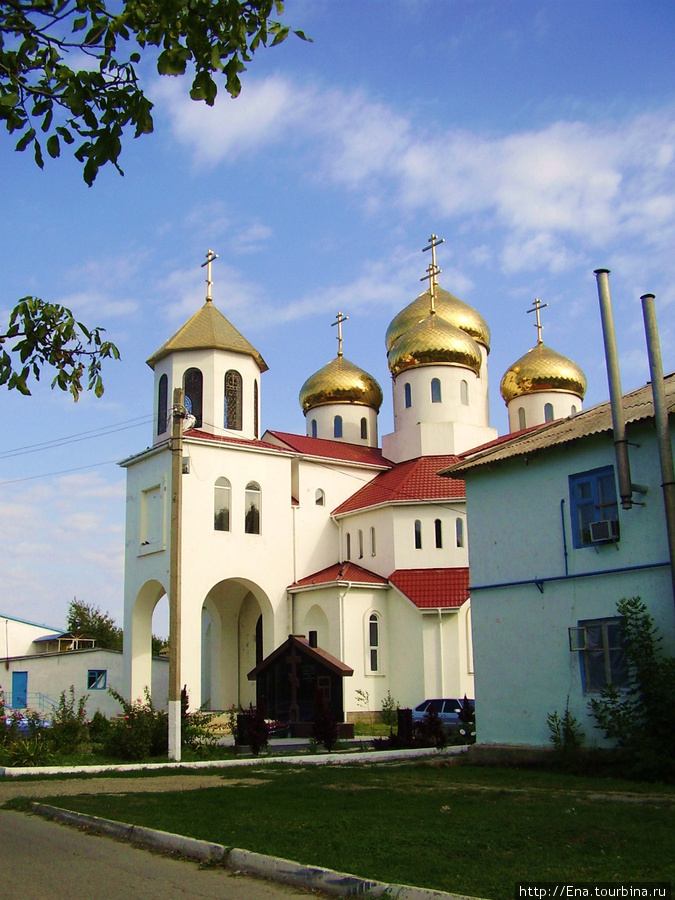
[[310, 446], [431, 588], [416, 479], [426, 588], [226, 439], [346, 571]]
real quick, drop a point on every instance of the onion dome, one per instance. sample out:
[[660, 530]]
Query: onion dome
[[448, 308], [340, 382], [431, 342], [542, 369]]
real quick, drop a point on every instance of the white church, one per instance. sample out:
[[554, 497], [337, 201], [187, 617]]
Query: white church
[[359, 547]]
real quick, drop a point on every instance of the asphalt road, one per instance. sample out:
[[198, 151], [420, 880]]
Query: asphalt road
[[42, 860]]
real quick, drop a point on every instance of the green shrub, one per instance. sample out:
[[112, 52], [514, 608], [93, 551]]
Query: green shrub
[[641, 718], [140, 732], [99, 728], [566, 733], [69, 731], [390, 710], [194, 730], [30, 751]]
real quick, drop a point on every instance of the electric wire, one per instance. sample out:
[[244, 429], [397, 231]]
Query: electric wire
[[98, 465], [103, 431]]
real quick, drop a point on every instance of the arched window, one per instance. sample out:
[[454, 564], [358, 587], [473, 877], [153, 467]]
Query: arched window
[[374, 642], [162, 404], [373, 545], [360, 544], [407, 394], [319, 497], [256, 413], [313, 428], [435, 390], [418, 534], [364, 429], [548, 412], [438, 532], [233, 400], [252, 504], [464, 393], [573, 410], [337, 427], [193, 387], [259, 640], [459, 532], [221, 505], [349, 546], [522, 420]]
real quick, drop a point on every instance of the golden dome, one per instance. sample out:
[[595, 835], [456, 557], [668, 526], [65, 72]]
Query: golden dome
[[449, 308], [542, 369], [340, 382], [434, 341]]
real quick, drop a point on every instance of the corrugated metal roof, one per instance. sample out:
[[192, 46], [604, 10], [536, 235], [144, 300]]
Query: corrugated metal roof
[[433, 588], [416, 479], [310, 446], [638, 405], [208, 329]]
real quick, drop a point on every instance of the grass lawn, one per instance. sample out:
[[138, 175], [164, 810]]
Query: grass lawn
[[457, 828]]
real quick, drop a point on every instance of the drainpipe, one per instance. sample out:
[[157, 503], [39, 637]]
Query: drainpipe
[[661, 420], [615, 396], [440, 641]]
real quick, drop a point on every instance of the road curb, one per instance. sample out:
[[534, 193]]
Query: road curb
[[272, 868]]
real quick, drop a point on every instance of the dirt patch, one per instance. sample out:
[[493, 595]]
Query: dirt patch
[[154, 785]]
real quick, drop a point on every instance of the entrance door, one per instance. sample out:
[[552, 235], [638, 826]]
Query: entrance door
[[19, 690]]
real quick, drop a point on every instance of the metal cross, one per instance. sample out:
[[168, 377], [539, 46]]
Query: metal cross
[[432, 270], [536, 307], [210, 256], [341, 317]]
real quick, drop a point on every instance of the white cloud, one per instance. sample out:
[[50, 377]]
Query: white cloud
[[568, 181]]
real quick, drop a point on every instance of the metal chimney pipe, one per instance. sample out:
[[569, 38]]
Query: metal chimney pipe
[[661, 420], [615, 395]]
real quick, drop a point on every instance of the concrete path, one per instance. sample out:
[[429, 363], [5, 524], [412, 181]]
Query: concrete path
[[46, 861]]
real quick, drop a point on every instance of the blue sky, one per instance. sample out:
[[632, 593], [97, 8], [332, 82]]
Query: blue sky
[[537, 138]]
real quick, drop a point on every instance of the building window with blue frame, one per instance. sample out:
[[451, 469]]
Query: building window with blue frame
[[407, 392], [592, 501], [314, 428], [418, 534], [97, 679], [435, 390], [337, 427], [601, 654], [364, 429]]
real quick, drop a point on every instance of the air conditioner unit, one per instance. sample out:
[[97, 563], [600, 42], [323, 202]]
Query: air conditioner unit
[[605, 531]]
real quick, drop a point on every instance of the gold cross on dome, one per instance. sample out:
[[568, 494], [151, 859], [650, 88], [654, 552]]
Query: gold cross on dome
[[210, 256], [432, 270], [536, 307], [341, 317]]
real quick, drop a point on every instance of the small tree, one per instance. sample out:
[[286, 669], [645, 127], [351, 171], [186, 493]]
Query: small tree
[[324, 728], [88, 619], [69, 731], [641, 718]]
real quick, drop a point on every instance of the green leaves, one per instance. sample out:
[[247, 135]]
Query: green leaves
[[97, 103], [47, 335]]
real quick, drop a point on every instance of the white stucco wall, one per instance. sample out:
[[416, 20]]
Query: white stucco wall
[[50, 674], [17, 636]]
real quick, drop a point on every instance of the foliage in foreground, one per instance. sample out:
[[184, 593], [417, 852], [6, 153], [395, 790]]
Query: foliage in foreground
[[641, 718], [70, 68], [40, 335]]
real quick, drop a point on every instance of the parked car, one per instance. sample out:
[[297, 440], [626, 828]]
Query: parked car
[[448, 710]]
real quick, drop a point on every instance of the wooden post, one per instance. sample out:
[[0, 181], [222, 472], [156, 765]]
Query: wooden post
[[177, 416]]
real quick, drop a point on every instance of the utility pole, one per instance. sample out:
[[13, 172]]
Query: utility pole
[[177, 415]]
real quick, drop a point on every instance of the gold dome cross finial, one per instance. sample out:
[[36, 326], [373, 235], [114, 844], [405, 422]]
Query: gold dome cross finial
[[341, 317], [432, 270], [536, 307], [210, 256]]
